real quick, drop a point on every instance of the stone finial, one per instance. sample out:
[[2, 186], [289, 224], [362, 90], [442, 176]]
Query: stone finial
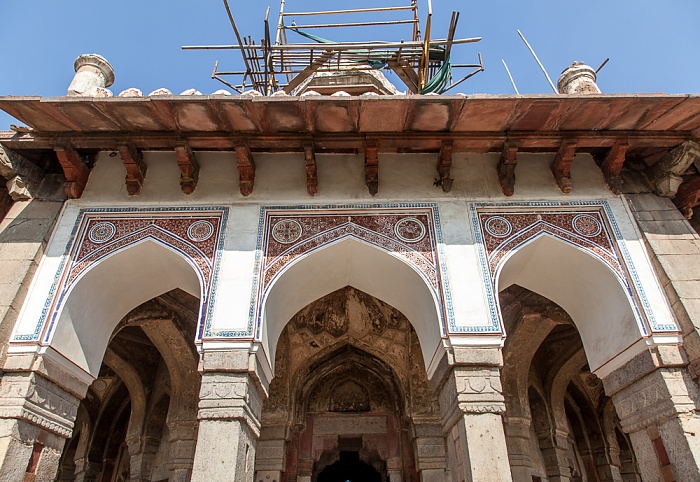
[[578, 79], [92, 71]]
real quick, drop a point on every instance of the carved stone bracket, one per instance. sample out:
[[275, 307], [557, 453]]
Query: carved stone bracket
[[189, 168], [74, 169], [372, 167], [444, 165], [561, 167], [135, 168], [612, 165], [246, 168], [666, 175], [311, 169], [688, 196], [506, 168], [22, 175]]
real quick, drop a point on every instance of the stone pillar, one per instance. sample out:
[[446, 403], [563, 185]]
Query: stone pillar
[[471, 405], [578, 79], [36, 418], [142, 454], [183, 442], [92, 72], [430, 452], [656, 400], [555, 449], [270, 454], [518, 442], [230, 406]]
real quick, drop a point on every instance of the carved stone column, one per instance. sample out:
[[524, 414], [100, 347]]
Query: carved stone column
[[36, 418], [471, 405], [430, 452], [230, 406], [518, 442], [656, 400], [183, 442]]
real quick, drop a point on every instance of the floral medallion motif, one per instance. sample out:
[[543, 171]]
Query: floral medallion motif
[[498, 226], [286, 231], [409, 230], [102, 232], [200, 231], [586, 225]]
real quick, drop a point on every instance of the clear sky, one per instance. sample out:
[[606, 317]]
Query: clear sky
[[653, 45]]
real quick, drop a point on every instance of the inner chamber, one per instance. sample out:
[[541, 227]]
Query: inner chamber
[[350, 388]]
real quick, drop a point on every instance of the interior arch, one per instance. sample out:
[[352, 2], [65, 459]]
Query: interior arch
[[583, 286], [112, 288], [351, 262]]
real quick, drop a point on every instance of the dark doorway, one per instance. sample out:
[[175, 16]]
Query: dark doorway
[[349, 469]]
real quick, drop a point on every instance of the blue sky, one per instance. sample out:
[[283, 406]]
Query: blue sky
[[652, 45]]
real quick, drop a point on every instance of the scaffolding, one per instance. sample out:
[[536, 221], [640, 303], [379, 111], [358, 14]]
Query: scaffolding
[[424, 65]]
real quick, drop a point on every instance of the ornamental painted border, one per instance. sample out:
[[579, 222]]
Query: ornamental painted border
[[196, 233], [604, 243], [289, 233]]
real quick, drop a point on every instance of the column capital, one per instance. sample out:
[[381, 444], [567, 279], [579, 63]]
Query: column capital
[[230, 396], [30, 397]]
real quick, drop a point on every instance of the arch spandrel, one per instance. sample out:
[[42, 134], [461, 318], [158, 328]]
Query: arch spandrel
[[118, 259], [391, 252], [574, 254]]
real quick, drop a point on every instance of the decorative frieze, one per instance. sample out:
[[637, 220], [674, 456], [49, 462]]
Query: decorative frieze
[[194, 233], [410, 232], [31, 397]]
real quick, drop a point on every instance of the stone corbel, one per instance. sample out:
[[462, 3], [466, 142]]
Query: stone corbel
[[189, 168], [135, 168], [22, 175], [444, 165], [506, 168], [688, 196], [311, 169], [246, 168], [561, 167], [612, 165], [372, 167], [666, 175], [74, 169]]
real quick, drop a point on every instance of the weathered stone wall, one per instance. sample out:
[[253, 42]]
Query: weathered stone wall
[[674, 247], [24, 233]]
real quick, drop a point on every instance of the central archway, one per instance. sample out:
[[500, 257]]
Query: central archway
[[352, 262], [349, 379]]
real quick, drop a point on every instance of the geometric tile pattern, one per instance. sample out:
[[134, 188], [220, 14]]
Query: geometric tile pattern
[[589, 226], [286, 234], [196, 233]]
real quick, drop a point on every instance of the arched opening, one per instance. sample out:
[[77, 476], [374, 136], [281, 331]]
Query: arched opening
[[109, 290], [350, 386], [549, 386], [583, 286], [352, 262], [349, 468], [142, 388]]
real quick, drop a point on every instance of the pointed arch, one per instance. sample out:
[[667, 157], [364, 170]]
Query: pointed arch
[[350, 261], [106, 292], [581, 284]]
